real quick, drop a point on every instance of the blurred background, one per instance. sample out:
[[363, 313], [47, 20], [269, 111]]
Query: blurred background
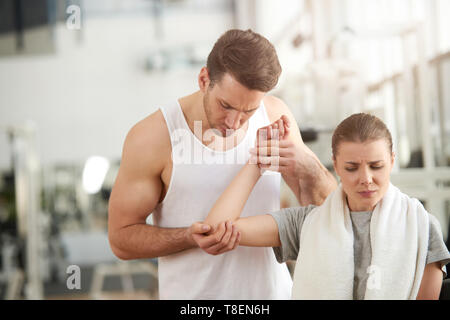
[[75, 76]]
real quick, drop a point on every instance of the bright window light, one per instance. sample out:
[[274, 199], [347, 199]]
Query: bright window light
[[94, 173]]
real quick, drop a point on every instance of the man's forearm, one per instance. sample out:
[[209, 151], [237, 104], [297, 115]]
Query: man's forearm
[[141, 241], [317, 187], [313, 183]]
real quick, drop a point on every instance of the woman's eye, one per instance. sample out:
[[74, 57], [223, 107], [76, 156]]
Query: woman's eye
[[377, 167], [350, 169]]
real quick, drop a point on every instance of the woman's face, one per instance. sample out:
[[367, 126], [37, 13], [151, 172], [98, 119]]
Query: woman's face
[[364, 169]]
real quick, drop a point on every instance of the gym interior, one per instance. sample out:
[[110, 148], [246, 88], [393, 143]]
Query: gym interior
[[76, 75]]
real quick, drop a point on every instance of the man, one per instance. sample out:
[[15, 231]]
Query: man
[[178, 160]]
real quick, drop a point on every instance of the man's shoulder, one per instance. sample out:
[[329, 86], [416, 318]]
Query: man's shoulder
[[149, 137], [152, 128], [275, 107]]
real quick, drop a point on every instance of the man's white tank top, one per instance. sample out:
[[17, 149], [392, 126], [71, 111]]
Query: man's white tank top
[[199, 176]]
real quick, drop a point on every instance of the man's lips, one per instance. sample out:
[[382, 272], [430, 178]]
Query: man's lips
[[226, 131]]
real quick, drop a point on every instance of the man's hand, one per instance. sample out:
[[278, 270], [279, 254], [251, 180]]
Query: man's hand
[[310, 181], [225, 238], [274, 151], [282, 156]]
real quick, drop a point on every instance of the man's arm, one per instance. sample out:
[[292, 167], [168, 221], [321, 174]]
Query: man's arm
[[314, 181], [305, 175], [135, 195]]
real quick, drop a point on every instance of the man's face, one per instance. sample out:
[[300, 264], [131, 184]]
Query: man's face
[[228, 105]]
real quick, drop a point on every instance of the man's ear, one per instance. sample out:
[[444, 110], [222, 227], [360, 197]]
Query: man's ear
[[203, 80]]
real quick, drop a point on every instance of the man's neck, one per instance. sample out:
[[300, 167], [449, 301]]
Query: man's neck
[[193, 110]]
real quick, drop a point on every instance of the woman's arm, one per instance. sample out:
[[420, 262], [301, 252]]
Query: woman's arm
[[256, 230], [431, 284], [231, 202]]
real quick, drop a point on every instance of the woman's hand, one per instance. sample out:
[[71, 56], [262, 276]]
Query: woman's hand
[[225, 238], [273, 149], [278, 130]]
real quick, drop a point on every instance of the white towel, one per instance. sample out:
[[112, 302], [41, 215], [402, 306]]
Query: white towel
[[399, 241]]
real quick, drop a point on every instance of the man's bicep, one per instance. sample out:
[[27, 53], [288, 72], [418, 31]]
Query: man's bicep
[[138, 185], [132, 201]]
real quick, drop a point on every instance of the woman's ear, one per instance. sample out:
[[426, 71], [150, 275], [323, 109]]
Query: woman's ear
[[203, 80], [392, 159], [335, 165]]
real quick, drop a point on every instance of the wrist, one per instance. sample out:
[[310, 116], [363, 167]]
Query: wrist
[[257, 171], [252, 166], [189, 239]]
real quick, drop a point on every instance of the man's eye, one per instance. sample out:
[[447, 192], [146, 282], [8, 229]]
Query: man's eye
[[350, 169], [227, 108], [376, 167]]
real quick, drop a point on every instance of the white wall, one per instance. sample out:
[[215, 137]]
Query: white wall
[[86, 97]]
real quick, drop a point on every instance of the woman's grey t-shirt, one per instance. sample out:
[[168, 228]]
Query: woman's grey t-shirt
[[290, 222]]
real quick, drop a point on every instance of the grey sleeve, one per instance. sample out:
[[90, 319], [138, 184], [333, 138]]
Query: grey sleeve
[[437, 250], [289, 221]]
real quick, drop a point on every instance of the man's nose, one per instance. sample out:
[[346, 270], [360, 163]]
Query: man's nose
[[233, 120]]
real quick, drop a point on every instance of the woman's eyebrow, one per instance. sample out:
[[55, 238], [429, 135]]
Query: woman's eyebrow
[[357, 163]]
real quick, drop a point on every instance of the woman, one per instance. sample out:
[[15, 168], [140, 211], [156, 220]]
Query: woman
[[366, 241]]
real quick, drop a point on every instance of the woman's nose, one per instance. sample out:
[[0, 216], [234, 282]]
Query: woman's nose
[[365, 177]]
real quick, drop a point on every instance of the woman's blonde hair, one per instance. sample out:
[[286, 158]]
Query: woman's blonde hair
[[360, 127]]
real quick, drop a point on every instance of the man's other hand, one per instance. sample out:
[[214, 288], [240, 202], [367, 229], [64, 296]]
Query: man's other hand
[[224, 238]]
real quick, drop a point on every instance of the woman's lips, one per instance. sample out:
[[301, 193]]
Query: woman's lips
[[366, 194]]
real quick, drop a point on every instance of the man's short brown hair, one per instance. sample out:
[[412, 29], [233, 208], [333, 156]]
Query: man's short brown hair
[[247, 56]]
